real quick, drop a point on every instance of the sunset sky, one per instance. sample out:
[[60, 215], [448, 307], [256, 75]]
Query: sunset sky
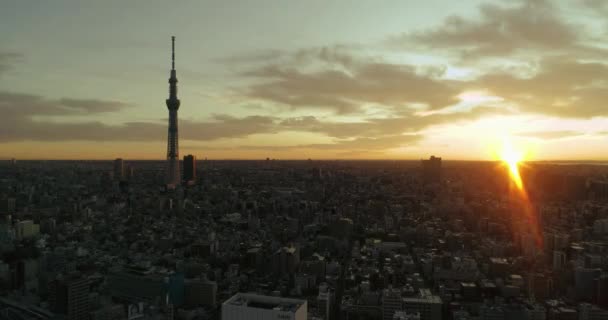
[[305, 79]]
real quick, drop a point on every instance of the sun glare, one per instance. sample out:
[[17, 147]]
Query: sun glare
[[511, 157]]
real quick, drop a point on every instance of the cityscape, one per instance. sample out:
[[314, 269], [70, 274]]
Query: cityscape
[[380, 226]]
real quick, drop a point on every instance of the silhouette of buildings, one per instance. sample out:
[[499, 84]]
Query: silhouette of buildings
[[173, 172]]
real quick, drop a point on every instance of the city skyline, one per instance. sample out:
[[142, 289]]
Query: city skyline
[[406, 82]]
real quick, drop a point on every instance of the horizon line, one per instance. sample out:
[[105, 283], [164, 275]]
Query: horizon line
[[305, 159]]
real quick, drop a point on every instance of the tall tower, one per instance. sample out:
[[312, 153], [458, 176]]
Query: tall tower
[[173, 174]]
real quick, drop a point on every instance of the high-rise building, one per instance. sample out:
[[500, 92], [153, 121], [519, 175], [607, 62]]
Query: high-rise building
[[587, 311], [70, 296], [402, 315], [129, 172], [134, 285], [8, 206], [200, 292], [391, 302], [173, 173], [492, 312], [26, 229], [601, 289], [325, 300], [431, 170], [585, 283], [426, 304], [189, 168], [119, 170], [559, 259], [286, 260], [109, 312], [244, 306]]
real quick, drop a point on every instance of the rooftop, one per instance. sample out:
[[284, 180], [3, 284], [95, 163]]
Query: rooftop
[[265, 302]]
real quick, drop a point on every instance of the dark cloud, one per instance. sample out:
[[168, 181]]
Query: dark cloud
[[380, 127], [370, 134], [17, 105], [598, 6], [344, 91], [22, 121], [225, 126], [562, 88], [335, 54], [530, 25], [92, 106]]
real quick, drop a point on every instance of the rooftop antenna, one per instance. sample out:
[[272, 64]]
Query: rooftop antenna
[[173, 52]]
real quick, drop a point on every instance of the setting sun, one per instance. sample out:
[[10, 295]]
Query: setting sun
[[512, 157]]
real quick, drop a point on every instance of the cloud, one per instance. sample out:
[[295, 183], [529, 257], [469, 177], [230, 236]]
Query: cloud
[[500, 31], [339, 54], [8, 59], [345, 91], [359, 145], [225, 126], [561, 87], [405, 122], [91, 106], [252, 57], [564, 76], [26, 118], [364, 143], [598, 6], [22, 106], [550, 135]]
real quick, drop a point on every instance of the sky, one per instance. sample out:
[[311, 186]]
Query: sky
[[338, 79]]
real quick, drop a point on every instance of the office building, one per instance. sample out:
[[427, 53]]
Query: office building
[[110, 312], [8, 206], [189, 169], [402, 315], [391, 302], [425, 303], [70, 296], [200, 292], [286, 260], [243, 306], [585, 283], [134, 286], [431, 170], [26, 229], [559, 259], [119, 170], [325, 300], [587, 311]]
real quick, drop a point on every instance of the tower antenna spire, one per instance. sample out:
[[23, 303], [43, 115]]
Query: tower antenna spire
[[173, 52]]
